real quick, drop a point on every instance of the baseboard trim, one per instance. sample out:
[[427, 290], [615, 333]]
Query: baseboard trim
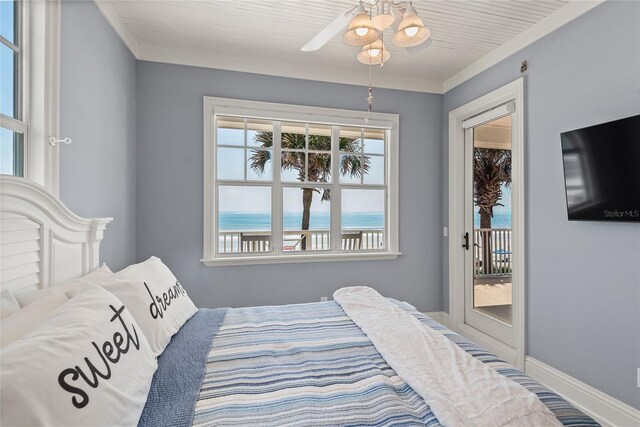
[[441, 317], [603, 408]]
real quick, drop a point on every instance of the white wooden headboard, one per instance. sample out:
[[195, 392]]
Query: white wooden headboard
[[41, 241]]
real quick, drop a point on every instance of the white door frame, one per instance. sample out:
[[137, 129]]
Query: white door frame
[[513, 91]]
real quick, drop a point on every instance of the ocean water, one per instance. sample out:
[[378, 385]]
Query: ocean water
[[232, 221], [499, 220], [236, 221]]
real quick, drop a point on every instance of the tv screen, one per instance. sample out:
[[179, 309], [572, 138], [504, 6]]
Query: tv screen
[[602, 171]]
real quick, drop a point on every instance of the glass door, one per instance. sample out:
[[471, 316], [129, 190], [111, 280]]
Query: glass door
[[488, 228]]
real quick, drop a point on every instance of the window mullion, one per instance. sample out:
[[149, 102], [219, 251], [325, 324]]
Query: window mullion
[[362, 155], [336, 226], [276, 191], [246, 154]]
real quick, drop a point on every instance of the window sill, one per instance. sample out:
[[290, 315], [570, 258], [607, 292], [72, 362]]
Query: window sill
[[288, 259]]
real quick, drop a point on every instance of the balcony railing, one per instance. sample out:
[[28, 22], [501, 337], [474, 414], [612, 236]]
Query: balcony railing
[[298, 240], [492, 251]]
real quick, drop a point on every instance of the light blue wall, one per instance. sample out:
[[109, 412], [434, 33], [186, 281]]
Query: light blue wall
[[97, 111], [583, 278], [170, 189]]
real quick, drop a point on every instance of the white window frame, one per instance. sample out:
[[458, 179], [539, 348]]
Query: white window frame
[[295, 113], [39, 58]]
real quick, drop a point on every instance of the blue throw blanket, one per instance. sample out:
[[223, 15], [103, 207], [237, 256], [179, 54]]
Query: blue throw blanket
[[176, 382]]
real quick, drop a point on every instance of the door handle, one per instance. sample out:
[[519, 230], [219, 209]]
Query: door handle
[[466, 241]]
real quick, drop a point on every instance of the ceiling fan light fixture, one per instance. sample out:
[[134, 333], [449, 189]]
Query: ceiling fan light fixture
[[373, 54], [361, 30], [411, 31]]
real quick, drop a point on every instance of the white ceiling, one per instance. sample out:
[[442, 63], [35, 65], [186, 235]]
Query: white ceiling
[[265, 36]]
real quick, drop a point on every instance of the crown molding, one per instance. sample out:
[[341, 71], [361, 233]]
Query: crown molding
[[111, 15], [329, 73], [547, 25], [324, 73]]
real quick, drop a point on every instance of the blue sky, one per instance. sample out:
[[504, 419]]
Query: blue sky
[[6, 58], [6, 151], [6, 85]]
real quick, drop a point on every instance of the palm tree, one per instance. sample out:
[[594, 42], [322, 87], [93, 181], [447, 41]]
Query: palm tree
[[319, 169], [491, 170]]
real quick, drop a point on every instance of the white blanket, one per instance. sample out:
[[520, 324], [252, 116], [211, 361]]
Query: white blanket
[[461, 390]]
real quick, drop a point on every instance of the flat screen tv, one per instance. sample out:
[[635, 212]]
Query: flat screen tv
[[602, 171]]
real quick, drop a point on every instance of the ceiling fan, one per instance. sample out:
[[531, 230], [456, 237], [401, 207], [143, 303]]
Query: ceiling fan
[[366, 23]]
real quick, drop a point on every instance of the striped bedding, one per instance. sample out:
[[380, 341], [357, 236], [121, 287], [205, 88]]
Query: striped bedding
[[309, 364]]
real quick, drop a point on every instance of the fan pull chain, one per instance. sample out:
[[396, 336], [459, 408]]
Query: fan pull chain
[[370, 97], [382, 50]]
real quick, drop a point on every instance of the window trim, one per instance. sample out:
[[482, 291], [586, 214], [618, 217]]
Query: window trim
[[213, 106], [18, 123], [39, 86]]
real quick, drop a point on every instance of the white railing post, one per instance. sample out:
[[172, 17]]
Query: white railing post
[[499, 252], [317, 240]]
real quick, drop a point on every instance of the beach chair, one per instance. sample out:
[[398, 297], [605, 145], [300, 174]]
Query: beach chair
[[255, 242], [297, 241], [352, 241]]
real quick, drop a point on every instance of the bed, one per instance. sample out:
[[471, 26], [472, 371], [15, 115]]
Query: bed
[[302, 364]]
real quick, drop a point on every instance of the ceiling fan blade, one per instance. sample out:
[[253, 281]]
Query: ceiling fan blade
[[416, 50], [330, 31]]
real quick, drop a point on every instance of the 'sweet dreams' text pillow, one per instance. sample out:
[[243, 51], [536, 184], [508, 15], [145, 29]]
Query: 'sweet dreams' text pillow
[[88, 364], [155, 298]]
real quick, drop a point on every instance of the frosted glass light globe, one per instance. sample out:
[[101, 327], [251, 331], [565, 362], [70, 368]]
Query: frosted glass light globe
[[374, 53], [411, 31], [360, 31]]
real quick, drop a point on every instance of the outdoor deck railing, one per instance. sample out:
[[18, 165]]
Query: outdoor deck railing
[[294, 240], [492, 251]]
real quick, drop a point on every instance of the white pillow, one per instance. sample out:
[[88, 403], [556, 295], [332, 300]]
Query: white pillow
[[86, 365], [28, 318], [155, 298], [9, 304], [69, 287]]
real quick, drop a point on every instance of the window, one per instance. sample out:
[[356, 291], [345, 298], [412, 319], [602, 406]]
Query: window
[[288, 183], [13, 128], [29, 56]]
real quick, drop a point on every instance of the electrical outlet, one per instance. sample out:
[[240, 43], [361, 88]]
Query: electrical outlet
[[323, 299], [445, 231], [638, 378]]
